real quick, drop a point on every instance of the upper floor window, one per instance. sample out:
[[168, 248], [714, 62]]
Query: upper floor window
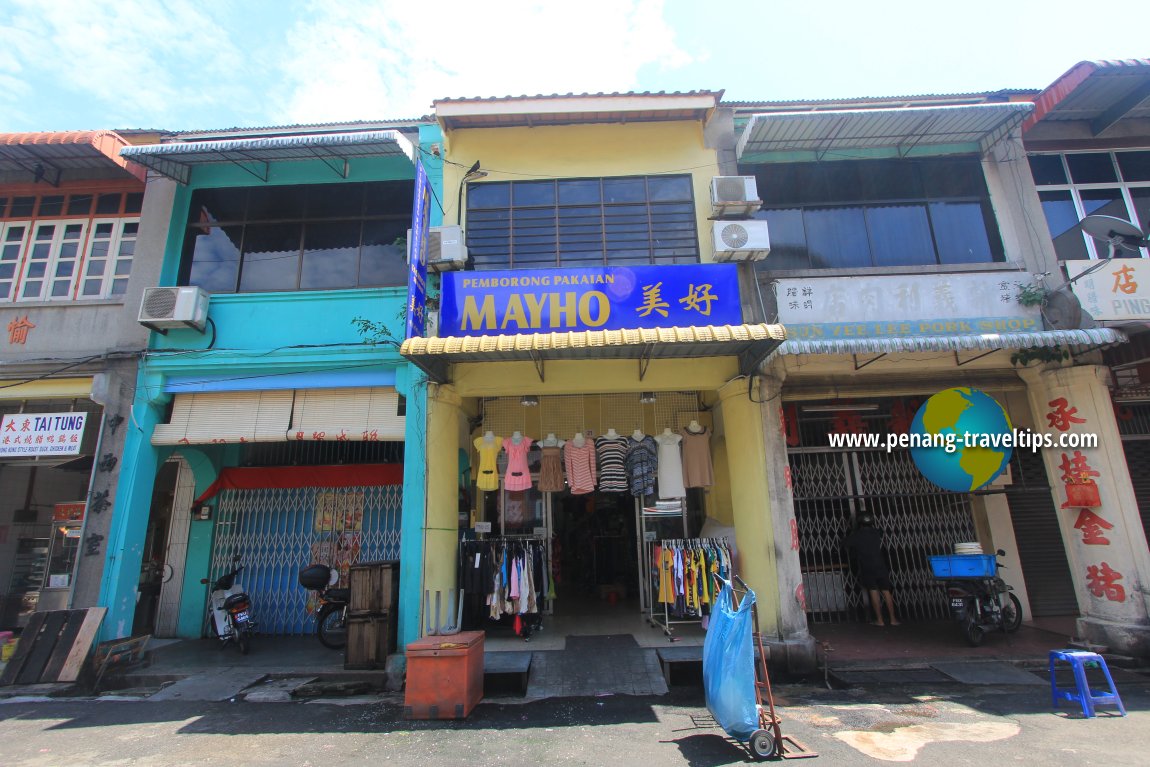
[[61, 247], [313, 237], [1073, 186], [617, 221], [848, 214]]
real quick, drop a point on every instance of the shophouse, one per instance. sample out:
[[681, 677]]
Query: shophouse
[[70, 218], [903, 234], [594, 317], [274, 424], [1088, 147]]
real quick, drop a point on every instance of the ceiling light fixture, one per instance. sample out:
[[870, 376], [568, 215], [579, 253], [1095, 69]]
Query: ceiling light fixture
[[529, 400], [647, 398]]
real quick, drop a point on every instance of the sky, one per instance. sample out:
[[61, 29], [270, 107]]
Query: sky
[[185, 65]]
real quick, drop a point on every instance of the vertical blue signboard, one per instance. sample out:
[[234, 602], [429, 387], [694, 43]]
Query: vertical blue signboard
[[417, 268]]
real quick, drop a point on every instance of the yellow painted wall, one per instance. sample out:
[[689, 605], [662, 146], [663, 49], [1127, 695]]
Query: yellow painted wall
[[574, 151], [506, 379]]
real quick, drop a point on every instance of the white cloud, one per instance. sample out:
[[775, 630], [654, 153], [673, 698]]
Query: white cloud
[[143, 63], [367, 59]]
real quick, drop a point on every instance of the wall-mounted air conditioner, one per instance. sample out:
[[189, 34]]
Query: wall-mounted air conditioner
[[165, 308], [734, 196], [446, 249], [740, 240]]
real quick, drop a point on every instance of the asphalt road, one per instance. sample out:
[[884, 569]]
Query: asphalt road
[[943, 724]]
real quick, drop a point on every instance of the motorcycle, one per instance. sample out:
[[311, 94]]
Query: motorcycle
[[230, 612], [331, 612], [982, 604]]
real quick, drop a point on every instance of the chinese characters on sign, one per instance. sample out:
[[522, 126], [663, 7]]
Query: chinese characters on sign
[[902, 305], [18, 330], [1120, 290], [31, 434], [600, 298]]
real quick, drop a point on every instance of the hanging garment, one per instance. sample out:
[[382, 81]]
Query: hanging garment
[[697, 470], [642, 463], [518, 476], [488, 478], [667, 577], [612, 453], [581, 471], [551, 470], [670, 466]]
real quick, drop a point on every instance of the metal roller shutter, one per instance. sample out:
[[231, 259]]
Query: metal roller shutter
[[1040, 547], [1138, 462]]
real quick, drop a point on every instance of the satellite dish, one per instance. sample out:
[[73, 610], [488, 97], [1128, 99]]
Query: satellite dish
[[1062, 310], [1118, 233]]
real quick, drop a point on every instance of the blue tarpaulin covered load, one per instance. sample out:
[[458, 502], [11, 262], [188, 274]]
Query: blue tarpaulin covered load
[[729, 665]]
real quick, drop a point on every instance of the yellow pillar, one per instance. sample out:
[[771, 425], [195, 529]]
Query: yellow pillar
[[747, 462], [441, 526]]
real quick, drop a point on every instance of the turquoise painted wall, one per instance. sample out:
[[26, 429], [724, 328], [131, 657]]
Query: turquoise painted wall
[[250, 335]]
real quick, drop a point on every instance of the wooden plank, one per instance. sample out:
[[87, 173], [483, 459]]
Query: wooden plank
[[67, 638], [93, 616], [27, 639], [42, 648]]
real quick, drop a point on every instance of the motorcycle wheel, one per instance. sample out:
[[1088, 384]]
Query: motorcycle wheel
[[331, 628], [244, 641], [1012, 614], [973, 633]]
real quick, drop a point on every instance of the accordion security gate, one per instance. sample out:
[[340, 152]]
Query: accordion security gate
[[276, 532], [832, 488]]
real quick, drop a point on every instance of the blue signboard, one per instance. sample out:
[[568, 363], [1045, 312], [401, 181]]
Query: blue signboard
[[417, 266], [595, 298]]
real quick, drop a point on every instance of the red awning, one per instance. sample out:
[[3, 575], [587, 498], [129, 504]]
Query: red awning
[[47, 155], [356, 475]]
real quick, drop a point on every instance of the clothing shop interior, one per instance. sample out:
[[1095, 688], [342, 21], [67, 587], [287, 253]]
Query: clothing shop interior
[[577, 507]]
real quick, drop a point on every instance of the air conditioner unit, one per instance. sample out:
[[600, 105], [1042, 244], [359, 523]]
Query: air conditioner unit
[[446, 249], [740, 240], [164, 308], [734, 196]]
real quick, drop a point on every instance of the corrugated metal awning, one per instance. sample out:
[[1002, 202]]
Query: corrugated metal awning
[[867, 133], [46, 155], [750, 343], [1102, 93], [967, 342], [176, 160]]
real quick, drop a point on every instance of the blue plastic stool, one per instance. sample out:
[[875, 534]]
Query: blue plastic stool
[[1082, 693]]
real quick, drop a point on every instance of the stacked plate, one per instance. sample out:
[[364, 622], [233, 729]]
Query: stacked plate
[[970, 547]]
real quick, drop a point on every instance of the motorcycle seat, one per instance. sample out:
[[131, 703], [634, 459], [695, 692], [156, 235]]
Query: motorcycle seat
[[235, 599], [338, 595]]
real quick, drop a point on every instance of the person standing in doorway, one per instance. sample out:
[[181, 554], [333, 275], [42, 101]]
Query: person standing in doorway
[[873, 573]]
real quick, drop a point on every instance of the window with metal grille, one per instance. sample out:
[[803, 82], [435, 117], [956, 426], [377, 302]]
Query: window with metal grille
[[618, 221], [1073, 186], [848, 214]]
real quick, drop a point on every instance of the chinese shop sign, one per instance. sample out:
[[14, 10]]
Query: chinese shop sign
[[1120, 290], [594, 298], [902, 305], [32, 434]]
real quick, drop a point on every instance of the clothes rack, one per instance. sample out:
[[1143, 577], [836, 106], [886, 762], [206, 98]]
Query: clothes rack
[[689, 584]]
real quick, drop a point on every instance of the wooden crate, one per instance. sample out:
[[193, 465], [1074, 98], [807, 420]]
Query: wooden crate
[[374, 588], [370, 639]]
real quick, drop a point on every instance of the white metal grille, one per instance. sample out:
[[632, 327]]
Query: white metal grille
[[277, 532]]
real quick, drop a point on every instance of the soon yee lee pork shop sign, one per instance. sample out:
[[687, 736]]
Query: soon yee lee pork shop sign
[[592, 298]]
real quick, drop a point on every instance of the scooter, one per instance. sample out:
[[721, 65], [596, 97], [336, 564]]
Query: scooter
[[978, 604], [331, 616], [230, 612]]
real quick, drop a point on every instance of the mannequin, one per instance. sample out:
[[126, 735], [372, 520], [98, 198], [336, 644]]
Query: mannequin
[[488, 436], [551, 465], [667, 431], [611, 454], [612, 434], [638, 435], [516, 437], [518, 475], [577, 440], [552, 441], [694, 427], [488, 446]]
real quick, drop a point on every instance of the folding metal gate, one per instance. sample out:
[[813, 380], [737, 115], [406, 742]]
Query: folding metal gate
[[832, 488], [276, 532]]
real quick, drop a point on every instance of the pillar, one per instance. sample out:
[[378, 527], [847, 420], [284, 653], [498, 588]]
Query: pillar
[[441, 522], [413, 385], [1105, 546]]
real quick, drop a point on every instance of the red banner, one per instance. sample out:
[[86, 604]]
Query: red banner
[[356, 475]]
